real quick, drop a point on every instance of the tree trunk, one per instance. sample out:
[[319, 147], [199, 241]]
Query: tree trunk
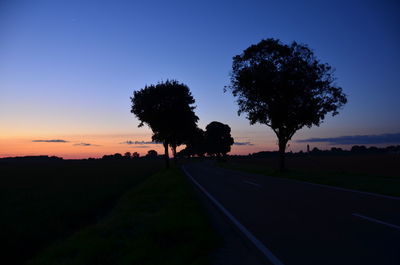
[[174, 153], [166, 155], [282, 149]]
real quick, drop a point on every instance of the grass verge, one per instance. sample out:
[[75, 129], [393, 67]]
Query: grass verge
[[157, 222], [376, 184]]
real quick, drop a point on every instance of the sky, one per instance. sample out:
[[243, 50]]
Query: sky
[[69, 68]]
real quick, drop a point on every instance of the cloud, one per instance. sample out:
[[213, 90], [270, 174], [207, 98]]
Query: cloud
[[50, 141], [242, 143], [144, 144], [393, 138], [85, 144], [139, 142]]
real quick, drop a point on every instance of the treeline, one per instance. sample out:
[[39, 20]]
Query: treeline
[[202, 144], [41, 158], [135, 155], [356, 149]]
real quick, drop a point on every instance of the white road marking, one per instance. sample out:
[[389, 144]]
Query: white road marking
[[252, 183], [376, 221], [257, 243]]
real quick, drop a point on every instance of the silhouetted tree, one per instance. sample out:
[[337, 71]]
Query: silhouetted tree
[[315, 150], [218, 139], [152, 153], [359, 149], [336, 150], [167, 109], [116, 156], [127, 155], [135, 155], [285, 87], [195, 145], [392, 149]]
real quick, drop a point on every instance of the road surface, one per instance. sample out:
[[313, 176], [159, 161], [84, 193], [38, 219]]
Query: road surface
[[301, 223]]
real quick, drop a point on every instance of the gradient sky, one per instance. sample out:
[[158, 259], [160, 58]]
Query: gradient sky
[[68, 68]]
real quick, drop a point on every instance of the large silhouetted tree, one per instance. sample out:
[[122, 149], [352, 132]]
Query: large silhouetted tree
[[218, 139], [195, 144], [285, 87], [167, 109]]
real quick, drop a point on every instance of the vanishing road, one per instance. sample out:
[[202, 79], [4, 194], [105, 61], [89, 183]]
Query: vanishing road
[[293, 222]]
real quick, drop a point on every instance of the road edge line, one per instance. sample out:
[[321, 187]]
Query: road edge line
[[320, 185], [257, 243], [252, 183], [376, 221], [343, 189]]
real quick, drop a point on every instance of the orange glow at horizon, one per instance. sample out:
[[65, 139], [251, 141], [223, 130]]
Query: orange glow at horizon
[[74, 146], [95, 146]]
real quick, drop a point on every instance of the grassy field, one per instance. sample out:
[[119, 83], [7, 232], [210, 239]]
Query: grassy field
[[44, 202], [378, 173], [157, 222]]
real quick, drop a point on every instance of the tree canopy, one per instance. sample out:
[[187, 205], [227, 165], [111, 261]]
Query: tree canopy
[[195, 144], [167, 108], [152, 153], [284, 87], [218, 139]]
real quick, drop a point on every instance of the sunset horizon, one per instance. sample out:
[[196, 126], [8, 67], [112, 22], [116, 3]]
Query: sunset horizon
[[181, 132], [67, 72]]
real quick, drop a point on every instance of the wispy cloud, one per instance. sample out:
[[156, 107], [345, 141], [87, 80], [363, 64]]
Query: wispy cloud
[[142, 146], [243, 143], [393, 138], [85, 144], [50, 141], [139, 142]]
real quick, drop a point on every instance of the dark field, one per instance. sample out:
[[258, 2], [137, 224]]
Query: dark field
[[43, 202], [156, 222], [378, 173]]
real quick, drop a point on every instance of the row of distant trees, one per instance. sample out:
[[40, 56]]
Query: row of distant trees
[[362, 149], [199, 148], [282, 86], [127, 155], [354, 150]]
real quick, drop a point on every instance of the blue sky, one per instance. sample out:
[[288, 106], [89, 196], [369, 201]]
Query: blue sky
[[68, 68]]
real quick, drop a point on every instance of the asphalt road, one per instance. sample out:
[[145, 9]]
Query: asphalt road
[[301, 223]]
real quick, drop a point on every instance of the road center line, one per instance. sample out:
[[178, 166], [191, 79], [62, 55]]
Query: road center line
[[376, 221], [257, 243], [252, 183]]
